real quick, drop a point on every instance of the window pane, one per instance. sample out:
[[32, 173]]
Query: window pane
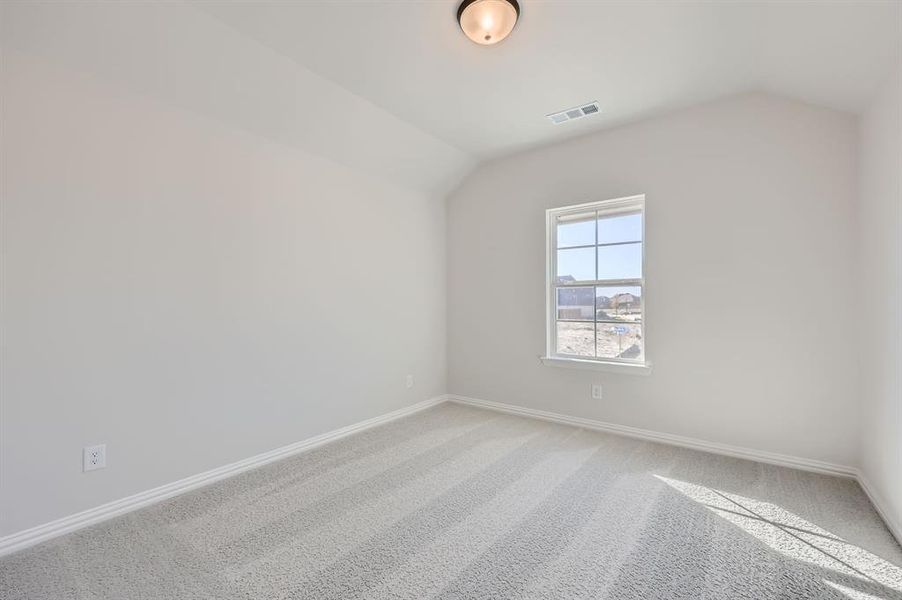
[[576, 230], [620, 340], [576, 338], [576, 264], [619, 262], [576, 303], [620, 228], [622, 304]]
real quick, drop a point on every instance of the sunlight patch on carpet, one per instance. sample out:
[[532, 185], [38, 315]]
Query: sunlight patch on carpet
[[795, 537]]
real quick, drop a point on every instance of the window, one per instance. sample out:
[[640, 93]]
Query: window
[[596, 285]]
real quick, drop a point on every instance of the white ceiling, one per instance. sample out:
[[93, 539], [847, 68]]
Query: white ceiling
[[186, 59], [635, 58]]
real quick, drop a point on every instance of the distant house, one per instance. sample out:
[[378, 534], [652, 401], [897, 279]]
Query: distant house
[[617, 305], [575, 303], [625, 300], [625, 304], [579, 303]]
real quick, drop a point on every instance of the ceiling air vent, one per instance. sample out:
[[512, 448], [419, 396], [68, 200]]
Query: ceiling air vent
[[577, 112]]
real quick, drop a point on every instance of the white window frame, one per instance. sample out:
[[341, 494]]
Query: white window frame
[[552, 357]]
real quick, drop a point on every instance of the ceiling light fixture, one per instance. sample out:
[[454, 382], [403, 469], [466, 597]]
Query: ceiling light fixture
[[487, 22]]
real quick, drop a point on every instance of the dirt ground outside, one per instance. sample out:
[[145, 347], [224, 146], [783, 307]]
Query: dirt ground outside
[[615, 340]]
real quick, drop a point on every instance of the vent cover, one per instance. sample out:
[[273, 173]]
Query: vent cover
[[577, 112]]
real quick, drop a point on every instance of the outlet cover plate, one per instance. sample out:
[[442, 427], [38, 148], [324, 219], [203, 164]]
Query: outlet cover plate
[[95, 457]]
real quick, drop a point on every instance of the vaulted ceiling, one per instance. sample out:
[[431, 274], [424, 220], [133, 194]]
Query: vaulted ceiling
[[634, 58], [395, 90]]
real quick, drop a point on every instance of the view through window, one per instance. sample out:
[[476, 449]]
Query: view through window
[[597, 284]]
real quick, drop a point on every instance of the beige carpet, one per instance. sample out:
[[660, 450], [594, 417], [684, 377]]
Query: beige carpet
[[460, 503]]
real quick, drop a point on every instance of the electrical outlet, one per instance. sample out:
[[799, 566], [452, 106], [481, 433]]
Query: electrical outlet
[[409, 381], [95, 457], [596, 391]]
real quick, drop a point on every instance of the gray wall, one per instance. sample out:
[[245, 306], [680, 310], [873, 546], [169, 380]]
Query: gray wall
[[880, 268], [749, 203], [191, 294]]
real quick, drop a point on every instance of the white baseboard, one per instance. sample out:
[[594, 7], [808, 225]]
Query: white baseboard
[[35, 535], [893, 523], [892, 520], [782, 460]]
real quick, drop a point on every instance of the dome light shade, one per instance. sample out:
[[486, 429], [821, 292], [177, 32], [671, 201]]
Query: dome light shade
[[487, 22]]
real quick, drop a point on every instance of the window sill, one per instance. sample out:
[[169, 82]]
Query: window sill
[[596, 365]]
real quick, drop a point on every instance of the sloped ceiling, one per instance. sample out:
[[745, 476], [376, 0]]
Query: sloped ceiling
[[395, 90], [186, 58], [634, 57]]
